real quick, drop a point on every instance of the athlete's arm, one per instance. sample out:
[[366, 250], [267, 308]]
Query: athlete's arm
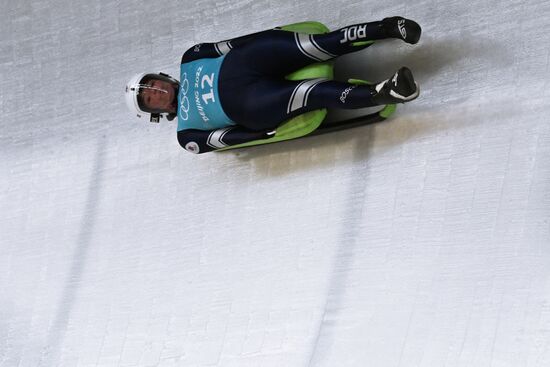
[[217, 49], [200, 141]]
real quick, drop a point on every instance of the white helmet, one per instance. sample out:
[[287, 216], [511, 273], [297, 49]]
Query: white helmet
[[133, 87]]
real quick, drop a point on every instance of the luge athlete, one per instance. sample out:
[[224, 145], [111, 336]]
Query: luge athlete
[[235, 91]]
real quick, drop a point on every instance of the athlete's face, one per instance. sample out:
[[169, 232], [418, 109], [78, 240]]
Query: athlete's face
[[160, 96]]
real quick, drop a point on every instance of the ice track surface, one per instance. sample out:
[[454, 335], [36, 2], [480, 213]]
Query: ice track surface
[[423, 241]]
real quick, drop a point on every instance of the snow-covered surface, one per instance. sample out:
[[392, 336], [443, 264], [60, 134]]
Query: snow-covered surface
[[423, 241]]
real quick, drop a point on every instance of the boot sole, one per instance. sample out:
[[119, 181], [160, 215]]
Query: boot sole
[[406, 81]]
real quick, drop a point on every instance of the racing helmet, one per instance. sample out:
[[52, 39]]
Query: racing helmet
[[134, 102]]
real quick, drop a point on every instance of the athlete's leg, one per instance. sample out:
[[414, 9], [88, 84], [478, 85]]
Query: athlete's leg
[[347, 39], [279, 52], [322, 47], [268, 102]]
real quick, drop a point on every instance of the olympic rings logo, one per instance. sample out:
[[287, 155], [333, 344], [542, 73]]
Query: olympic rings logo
[[184, 101]]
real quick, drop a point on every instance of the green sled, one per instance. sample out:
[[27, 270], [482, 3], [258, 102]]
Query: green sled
[[311, 123]]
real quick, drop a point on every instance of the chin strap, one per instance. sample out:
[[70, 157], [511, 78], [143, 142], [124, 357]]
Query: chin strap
[[155, 117]]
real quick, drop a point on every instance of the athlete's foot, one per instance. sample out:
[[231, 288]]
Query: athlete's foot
[[405, 29], [398, 89]]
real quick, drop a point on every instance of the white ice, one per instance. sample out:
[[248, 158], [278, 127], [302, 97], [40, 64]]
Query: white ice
[[422, 241]]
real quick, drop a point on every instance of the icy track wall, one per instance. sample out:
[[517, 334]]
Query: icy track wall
[[423, 241]]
